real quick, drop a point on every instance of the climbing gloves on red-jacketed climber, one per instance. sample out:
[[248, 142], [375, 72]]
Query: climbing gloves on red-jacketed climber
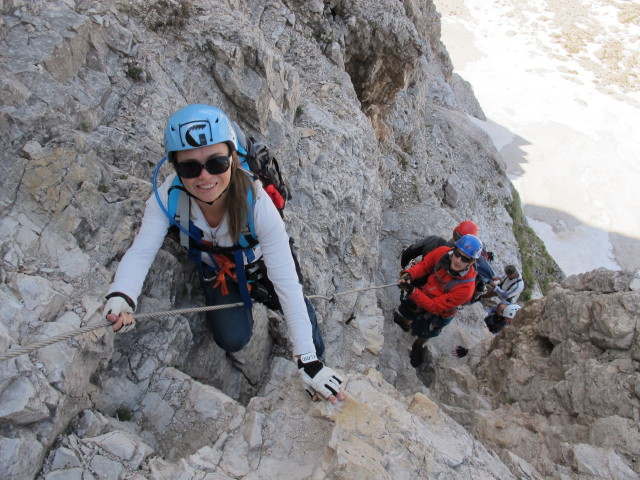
[[404, 283]]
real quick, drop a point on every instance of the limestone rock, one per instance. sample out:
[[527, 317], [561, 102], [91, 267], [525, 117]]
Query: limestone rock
[[567, 370], [125, 447], [21, 403], [17, 455], [465, 97], [359, 436], [38, 295], [358, 102]]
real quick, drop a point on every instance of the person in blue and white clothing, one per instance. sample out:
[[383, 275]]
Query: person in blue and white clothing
[[507, 287], [222, 199]]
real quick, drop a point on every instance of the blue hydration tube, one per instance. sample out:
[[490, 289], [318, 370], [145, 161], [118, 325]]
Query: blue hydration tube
[[162, 207]]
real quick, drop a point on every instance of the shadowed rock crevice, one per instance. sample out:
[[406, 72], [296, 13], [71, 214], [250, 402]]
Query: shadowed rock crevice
[[544, 346], [381, 48]]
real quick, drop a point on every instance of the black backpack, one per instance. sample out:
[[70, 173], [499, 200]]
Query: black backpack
[[256, 158], [421, 247]]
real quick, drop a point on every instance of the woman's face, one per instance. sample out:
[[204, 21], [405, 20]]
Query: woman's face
[[206, 186]]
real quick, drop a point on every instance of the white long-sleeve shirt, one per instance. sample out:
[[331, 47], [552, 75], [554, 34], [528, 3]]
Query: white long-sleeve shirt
[[274, 249], [510, 289]]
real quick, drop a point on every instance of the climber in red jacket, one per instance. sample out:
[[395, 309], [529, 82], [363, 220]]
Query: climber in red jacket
[[434, 289]]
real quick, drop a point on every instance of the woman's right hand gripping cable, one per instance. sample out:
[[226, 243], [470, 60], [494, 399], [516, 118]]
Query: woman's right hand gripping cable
[[119, 311], [318, 379]]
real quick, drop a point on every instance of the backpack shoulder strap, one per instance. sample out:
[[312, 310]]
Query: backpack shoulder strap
[[179, 209], [184, 209], [443, 264], [248, 237]]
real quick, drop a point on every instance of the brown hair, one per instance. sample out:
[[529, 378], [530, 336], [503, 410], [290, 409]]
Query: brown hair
[[237, 206], [510, 270]]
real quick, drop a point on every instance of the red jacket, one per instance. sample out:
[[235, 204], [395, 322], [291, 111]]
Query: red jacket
[[443, 293]]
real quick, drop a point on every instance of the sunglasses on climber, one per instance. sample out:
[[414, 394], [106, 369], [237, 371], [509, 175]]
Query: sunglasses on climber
[[192, 168], [462, 257]]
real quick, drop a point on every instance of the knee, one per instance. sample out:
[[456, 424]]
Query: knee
[[230, 344], [231, 330], [408, 310], [433, 333]]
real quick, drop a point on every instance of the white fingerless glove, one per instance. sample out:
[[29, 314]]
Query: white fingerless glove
[[117, 304], [317, 377]]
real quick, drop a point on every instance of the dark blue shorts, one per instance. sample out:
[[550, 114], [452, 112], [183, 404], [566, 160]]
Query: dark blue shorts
[[232, 327]]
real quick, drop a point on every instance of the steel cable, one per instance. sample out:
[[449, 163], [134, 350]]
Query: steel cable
[[181, 311]]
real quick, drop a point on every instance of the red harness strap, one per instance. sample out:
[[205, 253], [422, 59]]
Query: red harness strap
[[227, 267]]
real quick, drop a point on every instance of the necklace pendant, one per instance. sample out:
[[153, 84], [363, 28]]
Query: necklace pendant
[[214, 233]]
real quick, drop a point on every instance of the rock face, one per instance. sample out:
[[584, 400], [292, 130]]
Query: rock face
[[374, 434], [560, 388], [358, 102]]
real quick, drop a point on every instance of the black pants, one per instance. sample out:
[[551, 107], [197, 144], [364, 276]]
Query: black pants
[[495, 323], [424, 324]]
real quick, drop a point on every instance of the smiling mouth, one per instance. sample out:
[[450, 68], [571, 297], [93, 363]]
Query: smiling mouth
[[207, 187]]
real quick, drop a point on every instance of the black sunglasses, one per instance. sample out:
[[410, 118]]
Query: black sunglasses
[[192, 168], [462, 257]]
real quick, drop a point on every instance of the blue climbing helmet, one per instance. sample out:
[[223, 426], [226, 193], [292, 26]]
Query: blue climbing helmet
[[197, 126], [470, 245]]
